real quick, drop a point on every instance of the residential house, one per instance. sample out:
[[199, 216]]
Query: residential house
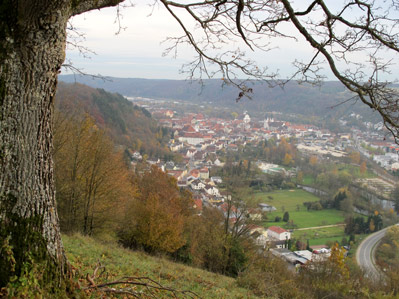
[[212, 190], [259, 234], [204, 173], [197, 185], [217, 179]]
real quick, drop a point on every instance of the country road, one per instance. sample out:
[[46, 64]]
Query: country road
[[365, 254], [316, 227]]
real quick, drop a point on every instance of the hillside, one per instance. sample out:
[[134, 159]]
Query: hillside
[[127, 124], [84, 253], [304, 99]]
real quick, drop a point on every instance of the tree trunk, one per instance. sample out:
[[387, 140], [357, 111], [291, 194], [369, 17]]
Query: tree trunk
[[32, 50]]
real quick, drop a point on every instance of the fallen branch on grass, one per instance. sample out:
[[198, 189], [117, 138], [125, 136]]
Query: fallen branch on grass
[[138, 287]]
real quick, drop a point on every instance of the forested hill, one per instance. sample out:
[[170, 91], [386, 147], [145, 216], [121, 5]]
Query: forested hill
[[127, 124], [303, 99]]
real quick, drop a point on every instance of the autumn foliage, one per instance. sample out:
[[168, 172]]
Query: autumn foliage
[[156, 217], [93, 183]]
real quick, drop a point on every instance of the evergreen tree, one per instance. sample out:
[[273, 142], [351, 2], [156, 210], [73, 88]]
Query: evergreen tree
[[286, 217]]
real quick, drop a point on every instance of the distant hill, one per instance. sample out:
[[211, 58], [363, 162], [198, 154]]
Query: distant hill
[[303, 99], [127, 124]]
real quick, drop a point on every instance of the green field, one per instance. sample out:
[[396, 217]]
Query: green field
[[321, 235], [291, 201], [287, 198]]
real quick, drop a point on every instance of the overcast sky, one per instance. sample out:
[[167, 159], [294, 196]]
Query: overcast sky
[[136, 52]]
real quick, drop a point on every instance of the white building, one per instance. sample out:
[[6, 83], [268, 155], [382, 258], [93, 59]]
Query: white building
[[247, 119], [276, 233]]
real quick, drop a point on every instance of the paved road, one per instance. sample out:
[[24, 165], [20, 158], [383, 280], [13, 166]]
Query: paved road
[[365, 254]]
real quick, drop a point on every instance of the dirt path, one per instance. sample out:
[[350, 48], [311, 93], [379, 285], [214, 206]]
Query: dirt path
[[315, 227]]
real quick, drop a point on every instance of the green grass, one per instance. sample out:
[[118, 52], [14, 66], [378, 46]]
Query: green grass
[[304, 219], [321, 236], [84, 253], [292, 202], [324, 241], [287, 198], [321, 232]]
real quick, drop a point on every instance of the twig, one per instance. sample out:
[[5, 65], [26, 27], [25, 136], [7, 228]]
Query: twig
[[149, 284]]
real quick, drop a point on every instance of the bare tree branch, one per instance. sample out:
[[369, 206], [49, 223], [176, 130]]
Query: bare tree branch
[[78, 7], [358, 29]]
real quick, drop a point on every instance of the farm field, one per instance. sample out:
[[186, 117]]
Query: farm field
[[291, 201]]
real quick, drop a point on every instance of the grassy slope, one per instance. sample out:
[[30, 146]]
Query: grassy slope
[[84, 253]]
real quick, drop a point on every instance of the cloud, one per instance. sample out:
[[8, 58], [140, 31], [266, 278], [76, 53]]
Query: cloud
[[137, 50]]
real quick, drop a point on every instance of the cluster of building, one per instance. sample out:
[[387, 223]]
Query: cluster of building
[[200, 140], [277, 240], [302, 257], [378, 146]]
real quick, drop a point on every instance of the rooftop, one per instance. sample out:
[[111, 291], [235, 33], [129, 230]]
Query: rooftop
[[277, 229]]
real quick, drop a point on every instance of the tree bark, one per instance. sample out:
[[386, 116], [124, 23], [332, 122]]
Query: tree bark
[[32, 50]]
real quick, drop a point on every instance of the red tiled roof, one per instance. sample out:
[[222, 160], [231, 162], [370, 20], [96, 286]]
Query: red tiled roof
[[188, 128], [277, 229]]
